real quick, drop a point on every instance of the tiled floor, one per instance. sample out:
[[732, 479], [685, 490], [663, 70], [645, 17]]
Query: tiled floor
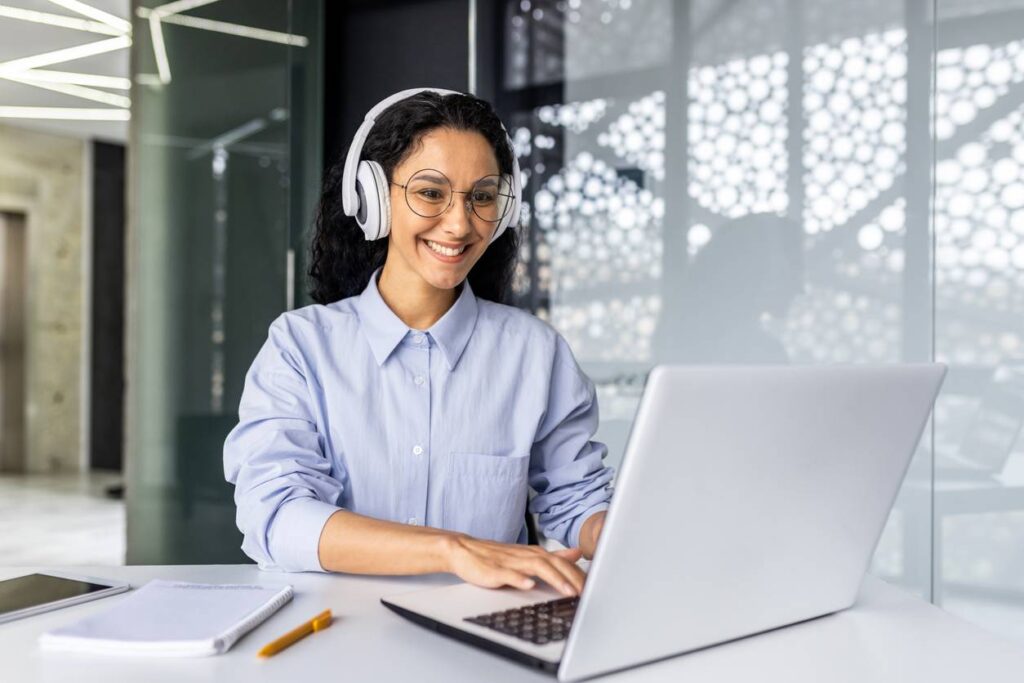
[[60, 520]]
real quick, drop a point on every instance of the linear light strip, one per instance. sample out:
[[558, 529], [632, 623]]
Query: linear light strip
[[95, 80], [152, 80], [122, 25], [66, 55], [229, 28], [65, 113], [179, 6], [75, 91], [228, 138], [163, 65], [57, 20]]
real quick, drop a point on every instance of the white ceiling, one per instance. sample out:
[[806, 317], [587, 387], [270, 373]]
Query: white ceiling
[[20, 38]]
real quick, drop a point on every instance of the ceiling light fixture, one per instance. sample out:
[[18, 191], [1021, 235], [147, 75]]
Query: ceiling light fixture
[[179, 6], [95, 80], [27, 71], [73, 90], [229, 28], [58, 20], [122, 25], [64, 113], [65, 55], [163, 65]]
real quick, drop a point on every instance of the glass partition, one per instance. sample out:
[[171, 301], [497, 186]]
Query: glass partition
[[795, 182], [225, 158], [979, 311], [729, 182]]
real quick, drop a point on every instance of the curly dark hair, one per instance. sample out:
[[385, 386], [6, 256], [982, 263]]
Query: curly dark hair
[[342, 259]]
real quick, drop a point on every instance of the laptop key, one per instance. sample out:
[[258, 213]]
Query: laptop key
[[540, 623]]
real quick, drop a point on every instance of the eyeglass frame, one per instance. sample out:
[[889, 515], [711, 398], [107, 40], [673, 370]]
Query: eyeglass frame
[[451, 200]]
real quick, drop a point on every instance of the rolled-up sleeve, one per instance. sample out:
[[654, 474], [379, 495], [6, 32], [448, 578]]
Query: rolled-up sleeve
[[566, 467], [285, 489]]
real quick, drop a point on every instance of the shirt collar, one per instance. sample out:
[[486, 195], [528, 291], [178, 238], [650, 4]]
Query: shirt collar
[[385, 330], [453, 330]]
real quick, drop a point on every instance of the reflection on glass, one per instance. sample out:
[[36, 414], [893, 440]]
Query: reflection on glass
[[757, 187], [736, 286], [218, 105], [979, 303]]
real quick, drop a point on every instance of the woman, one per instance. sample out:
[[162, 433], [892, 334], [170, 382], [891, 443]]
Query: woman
[[394, 427]]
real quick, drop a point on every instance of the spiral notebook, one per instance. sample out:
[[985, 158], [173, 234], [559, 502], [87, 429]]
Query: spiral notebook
[[172, 619]]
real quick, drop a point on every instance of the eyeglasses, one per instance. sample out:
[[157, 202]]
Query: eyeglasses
[[429, 193]]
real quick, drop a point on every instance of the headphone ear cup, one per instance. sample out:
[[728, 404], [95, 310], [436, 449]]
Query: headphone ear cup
[[374, 214], [384, 193]]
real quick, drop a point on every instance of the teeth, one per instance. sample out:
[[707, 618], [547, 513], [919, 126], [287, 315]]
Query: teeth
[[445, 250]]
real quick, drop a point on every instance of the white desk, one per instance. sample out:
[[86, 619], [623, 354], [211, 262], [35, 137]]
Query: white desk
[[887, 636]]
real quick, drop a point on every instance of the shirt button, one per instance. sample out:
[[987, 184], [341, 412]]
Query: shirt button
[[420, 380], [413, 521], [417, 339], [417, 450]]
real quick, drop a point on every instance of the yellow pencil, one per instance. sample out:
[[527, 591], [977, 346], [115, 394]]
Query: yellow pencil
[[317, 623]]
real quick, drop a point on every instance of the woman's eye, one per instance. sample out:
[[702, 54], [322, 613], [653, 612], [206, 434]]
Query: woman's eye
[[483, 197], [435, 195]]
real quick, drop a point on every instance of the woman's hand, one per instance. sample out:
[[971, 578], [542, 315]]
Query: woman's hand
[[491, 564]]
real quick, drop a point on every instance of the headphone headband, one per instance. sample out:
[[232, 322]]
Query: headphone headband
[[352, 200], [349, 196]]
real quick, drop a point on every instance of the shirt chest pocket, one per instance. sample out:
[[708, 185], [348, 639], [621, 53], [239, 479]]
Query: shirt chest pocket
[[485, 495]]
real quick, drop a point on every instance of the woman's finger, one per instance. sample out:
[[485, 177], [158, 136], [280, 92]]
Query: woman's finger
[[510, 577], [577, 577], [495, 576], [545, 568], [570, 554], [565, 560]]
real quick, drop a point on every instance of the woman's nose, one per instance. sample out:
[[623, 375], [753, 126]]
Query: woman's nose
[[458, 217]]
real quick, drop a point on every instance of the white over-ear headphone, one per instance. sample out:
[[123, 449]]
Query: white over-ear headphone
[[365, 193]]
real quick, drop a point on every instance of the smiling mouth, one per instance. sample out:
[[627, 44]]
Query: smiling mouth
[[444, 251]]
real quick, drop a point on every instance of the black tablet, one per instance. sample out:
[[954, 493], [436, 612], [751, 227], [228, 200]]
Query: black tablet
[[31, 594]]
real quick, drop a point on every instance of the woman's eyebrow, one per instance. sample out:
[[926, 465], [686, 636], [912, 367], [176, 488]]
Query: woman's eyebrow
[[486, 181], [430, 178]]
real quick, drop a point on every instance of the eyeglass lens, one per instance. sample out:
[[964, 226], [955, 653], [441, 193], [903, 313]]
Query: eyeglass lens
[[429, 193]]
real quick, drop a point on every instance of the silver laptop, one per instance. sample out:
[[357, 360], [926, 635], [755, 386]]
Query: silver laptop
[[749, 498]]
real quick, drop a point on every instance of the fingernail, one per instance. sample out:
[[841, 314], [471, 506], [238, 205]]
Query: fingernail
[[528, 583], [568, 590]]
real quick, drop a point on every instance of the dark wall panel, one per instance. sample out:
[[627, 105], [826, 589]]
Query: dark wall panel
[[374, 49], [106, 390]]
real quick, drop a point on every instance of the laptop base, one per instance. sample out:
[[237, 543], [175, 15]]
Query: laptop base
[[475, 640]]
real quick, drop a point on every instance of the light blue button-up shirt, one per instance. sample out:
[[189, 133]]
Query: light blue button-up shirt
[[346, 407]]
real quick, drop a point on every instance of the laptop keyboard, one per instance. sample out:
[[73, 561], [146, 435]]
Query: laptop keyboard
[[540, 623]]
